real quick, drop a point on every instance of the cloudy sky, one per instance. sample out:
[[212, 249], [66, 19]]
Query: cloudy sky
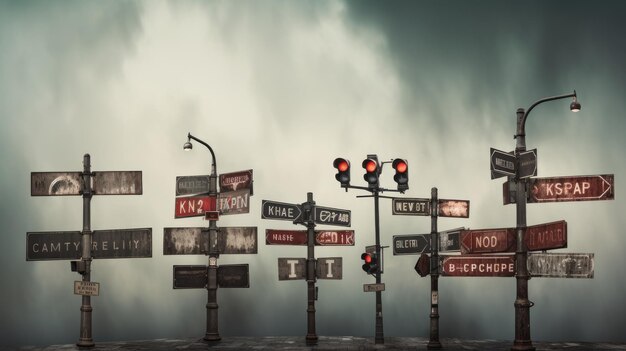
[[284, 87]]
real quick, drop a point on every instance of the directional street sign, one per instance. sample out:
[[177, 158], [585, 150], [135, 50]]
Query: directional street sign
[[291, 268], [86, 288], [453, 208], [502, 163], [233, 276], [449, 240], [331, 216], [119, 243], [411, 207], [561, 265], [55, 183], [234, 202], [190, 277], [373, 287], [117, 183], [488, 241], [329, 268], [192, 185], [527, 163], [236, 181], [299, 237], [576, 188], [237, 240], [422, 267], [185, 241], [546, 236], [334, 237], [280, 210], [194, 206], [411, 244], [477, 266]]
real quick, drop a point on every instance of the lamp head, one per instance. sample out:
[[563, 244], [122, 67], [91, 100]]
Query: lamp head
[[187, 146], [575, 105]]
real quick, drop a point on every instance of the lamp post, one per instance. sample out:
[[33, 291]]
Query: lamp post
[[522, 304], [212, 333]]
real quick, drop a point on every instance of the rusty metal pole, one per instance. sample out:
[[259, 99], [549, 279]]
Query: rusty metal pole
[[86, 339], [379, 335], [522, 304], [434, 342], [212, 331], [311, 336]]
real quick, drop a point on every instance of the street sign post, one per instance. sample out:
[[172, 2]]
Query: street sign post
[[502, 164], [576, 188], [477, 266], [561, 265], [331, 216], [192, 185], [280, 210], [488, 241]]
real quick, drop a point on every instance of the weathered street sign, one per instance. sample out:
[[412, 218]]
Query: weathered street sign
[[329, 268], [477, 266], [120, 243], [234, 202], [411, 244], [291, 268], [192, 185], [449, 240], [117, 183], [236, 181], [212, 215], [237, 240], [285, 237], [190, 277], [422, 267], [373, 287], [576, 188], [334, 237], [280, 210], [331, 216], [411, 207], [86, 288], [194, 206], [55, 183], [502, 163], [488, 241], [233, 276], [453, 208], [561, 265], [185, 241], [527, 163], [546, 236]]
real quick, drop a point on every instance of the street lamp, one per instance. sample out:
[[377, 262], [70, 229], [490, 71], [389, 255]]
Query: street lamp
[[522, 304], [212, 333]]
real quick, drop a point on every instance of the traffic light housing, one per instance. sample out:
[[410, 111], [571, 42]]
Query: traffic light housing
[[78, 266], [372, 171], [343, 171], [402, 174], [370, 265]]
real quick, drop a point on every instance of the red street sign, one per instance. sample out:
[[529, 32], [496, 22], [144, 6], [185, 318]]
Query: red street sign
[[478, 266], [236, 181], [546, 236], [334, 237], [454, 208], [194, 206], [577, 188], [285, 237], [488, 241]]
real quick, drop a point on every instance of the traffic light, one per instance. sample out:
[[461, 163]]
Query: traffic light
[[402, 174], [370, 265], [78, 266], [343, 171], [372, 171]]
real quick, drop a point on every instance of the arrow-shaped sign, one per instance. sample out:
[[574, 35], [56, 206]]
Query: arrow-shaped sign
[[280, 210]]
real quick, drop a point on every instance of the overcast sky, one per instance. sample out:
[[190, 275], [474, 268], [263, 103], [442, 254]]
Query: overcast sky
[[284, 87]]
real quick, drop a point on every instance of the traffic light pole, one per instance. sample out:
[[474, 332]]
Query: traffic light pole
[[311, 336], [379, 335], [86, 339], [434, 342]]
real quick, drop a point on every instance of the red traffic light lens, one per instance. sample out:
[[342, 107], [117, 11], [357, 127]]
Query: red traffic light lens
[[401, 167], [370, 166], [342, 166], [368, 259]]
